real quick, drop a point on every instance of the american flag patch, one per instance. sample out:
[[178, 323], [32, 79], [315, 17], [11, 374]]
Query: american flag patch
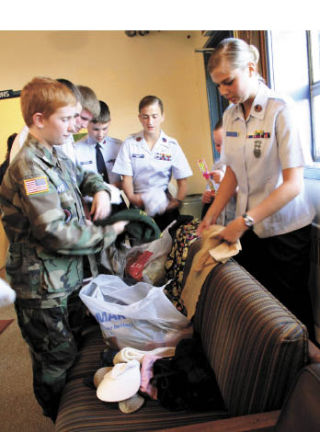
[[36, 185]]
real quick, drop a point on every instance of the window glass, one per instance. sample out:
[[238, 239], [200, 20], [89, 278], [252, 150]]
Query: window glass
[[289, 50], [316, 126], [315, 54]]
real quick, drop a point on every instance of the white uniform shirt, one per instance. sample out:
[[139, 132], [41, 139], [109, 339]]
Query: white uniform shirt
[[85, 150], [68, 148], [18, 142], [151, 168], [228, 213], [257, 150]]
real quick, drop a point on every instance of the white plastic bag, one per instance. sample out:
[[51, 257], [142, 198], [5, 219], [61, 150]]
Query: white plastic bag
[[146, 262], [139, 316]]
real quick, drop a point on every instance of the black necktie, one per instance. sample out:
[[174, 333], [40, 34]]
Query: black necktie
[[101, 166]]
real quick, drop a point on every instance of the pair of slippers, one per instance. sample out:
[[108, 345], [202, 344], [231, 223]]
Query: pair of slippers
[[120, 383]]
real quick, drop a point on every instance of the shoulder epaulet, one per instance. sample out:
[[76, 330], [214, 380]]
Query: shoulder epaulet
[[133, 136], [115, 140], [167, 139]]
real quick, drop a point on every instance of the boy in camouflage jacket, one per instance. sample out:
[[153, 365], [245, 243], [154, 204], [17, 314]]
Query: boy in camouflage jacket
[[45, 223]]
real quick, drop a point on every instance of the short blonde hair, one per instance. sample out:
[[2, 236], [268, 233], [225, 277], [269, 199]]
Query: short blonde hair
[[89, 100], [236, 51], [44, 95]]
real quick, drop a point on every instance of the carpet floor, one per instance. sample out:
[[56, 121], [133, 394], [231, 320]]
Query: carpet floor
[[19, 410]]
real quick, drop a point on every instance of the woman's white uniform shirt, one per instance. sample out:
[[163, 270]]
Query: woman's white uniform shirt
[[151, 168], [257, 150]]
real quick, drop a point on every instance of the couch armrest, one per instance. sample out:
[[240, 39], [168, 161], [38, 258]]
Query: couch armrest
[[301, 409], [314, 352], [263, 422], [255, 346]]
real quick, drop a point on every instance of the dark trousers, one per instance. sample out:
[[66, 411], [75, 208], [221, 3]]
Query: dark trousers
[[282, 264], [165, 219], [204, 209]]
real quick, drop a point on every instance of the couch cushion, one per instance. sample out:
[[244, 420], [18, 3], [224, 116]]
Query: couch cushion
[[81, 411], [254, 344]]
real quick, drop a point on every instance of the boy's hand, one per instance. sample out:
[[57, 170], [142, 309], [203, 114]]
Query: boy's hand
[[101, 205], [207, 196], [119, 226]]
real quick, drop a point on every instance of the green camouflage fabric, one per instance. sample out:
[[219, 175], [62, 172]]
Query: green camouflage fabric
[[43, 217], [53, 336]]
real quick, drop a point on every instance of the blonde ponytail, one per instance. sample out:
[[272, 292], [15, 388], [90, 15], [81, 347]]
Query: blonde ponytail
[[236, 51]]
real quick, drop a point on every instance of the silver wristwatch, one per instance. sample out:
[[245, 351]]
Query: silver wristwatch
[[248, 220]]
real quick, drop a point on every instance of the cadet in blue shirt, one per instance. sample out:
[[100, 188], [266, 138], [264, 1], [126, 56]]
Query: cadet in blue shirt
[[86, 148]]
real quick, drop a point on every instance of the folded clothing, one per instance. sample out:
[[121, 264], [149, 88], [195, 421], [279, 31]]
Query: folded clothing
[[155, 201], [141, 227], [127, 354]]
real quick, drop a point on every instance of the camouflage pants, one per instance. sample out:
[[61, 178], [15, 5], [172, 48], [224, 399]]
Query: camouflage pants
[[52, 335]]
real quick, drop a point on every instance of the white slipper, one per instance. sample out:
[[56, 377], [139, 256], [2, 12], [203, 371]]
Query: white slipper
[[122, 382], [100, 373]]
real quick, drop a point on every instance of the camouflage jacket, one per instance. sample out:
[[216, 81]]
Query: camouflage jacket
[[43, 217]]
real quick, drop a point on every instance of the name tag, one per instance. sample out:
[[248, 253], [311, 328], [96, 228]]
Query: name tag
[[138, 155], [86, 163], [232, 133], [61, 188]]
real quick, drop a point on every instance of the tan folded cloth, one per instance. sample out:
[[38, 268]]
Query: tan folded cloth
[[213, 251]]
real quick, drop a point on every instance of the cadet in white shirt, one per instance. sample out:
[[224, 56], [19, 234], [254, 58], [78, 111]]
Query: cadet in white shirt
[[265, 158], [216, 175], [86, 152], [147, 161], [87, 109]]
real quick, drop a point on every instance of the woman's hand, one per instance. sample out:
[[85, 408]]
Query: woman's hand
[[217, 176], [207, 196], [205, 223], [233, 231], [136, 200]]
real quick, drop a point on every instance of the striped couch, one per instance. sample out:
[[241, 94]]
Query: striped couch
[[255, 346]]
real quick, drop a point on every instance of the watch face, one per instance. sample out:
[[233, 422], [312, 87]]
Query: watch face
[[249, 222]]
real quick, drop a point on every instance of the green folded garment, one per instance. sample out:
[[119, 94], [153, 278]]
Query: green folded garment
[[141, 227]]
